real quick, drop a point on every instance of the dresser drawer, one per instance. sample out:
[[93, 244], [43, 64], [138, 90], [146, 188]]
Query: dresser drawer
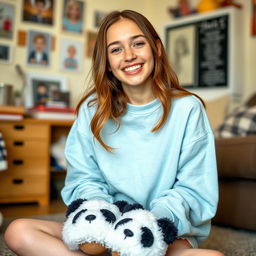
[[24, 131], [12, 185], [28, 165], [20, 148]]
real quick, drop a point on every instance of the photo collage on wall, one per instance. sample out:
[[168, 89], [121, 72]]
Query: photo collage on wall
[[74, 44]]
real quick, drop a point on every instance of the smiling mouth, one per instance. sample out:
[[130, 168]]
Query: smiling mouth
[[132, 68]]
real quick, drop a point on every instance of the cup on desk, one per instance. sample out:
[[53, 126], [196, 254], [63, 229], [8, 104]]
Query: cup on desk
[[6, 94]]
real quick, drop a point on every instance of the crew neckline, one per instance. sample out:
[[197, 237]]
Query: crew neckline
[[145, 108]]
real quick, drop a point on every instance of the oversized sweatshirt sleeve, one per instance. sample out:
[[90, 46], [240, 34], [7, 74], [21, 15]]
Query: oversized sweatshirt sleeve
[[84, 178], [192, 201]]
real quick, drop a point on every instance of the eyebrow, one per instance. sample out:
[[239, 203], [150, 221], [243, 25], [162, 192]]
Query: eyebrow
[[131, 38]]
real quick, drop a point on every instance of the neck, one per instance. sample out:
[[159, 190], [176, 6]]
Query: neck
[[139, 95]]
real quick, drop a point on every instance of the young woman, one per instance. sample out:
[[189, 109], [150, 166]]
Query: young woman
[[138, 137]]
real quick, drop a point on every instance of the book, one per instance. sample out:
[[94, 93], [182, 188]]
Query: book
[[52, 115], [11, 112], [12, 109], [4, 116], [56, 112]]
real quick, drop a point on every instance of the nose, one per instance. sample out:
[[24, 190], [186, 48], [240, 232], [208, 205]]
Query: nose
[[129, 54], [90, 217], [128, 233]]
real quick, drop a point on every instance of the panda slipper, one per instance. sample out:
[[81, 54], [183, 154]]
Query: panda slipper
[[138, 233], [87, 224]]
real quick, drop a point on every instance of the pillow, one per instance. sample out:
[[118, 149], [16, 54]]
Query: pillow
[[217, 109], [241, 122]]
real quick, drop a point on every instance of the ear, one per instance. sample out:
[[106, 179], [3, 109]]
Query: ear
[[120, 205], [131, 207], [74, 205], [109, 216], [168, 229], [147, 238], [159, 47]]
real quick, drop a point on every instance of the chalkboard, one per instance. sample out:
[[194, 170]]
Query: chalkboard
[[203, 62]]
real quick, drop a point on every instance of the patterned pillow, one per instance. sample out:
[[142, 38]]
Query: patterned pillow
[[241, 122]]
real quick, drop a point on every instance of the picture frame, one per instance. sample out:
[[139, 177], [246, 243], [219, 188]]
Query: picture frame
[[40, 12], [181, 50], [98, 17], [6, 52], [198, 50], [91, 40], [39, 42], [41, 88], [253, 19], [71, 59], [7, 20], [73, 16]]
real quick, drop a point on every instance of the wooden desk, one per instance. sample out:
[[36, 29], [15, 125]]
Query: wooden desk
[[28, 142]]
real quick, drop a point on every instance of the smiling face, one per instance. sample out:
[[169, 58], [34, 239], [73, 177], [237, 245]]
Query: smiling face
[[130, 56]]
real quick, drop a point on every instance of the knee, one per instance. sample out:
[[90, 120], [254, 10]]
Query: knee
[[17, 234], [216, 253]]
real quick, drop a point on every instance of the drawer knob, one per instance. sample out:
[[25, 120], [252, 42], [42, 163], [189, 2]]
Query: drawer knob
[[19, 127], [18, 143], [17, 181], [18, 162]]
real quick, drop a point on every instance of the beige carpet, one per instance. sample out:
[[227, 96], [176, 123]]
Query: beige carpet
[[231, 242]]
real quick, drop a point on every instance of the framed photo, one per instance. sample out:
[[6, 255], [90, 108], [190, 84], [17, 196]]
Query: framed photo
[[6, 20], [198, 50], [71, 57], [73, 16], [42, 88], [253, 17], [38, 11], [38, 48], [98, 17], [91, 40], [5, 54], [181, 49]]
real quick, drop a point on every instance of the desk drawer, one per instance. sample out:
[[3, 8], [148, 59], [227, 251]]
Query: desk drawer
[[24, 131], [23, 185], [20, 148], [28, 165]]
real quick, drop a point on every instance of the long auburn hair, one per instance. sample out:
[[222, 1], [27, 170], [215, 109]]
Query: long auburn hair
[[109, 96]]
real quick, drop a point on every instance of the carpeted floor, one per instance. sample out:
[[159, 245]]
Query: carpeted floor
[[231, 242]]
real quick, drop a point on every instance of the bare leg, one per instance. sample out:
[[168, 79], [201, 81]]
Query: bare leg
[[30, 237], [182, 248]]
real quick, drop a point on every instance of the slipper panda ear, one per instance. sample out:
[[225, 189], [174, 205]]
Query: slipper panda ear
[[74, 205], [131, 207], [147, 237], [121, 205], [169, 230]]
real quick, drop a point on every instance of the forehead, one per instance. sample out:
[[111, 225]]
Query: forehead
[[123, 30]]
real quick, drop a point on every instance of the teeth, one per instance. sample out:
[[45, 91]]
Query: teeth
[[132, 68]]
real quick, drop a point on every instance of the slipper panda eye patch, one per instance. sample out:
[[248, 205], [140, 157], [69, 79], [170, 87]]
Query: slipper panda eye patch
[[78, 215], [109, 216], [122, 222], [147, 238]]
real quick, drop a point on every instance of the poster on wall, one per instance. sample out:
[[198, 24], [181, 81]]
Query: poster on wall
[[71, 57], [198, 52], [73, 16], [38, 11], [38, 48], [6, 20]]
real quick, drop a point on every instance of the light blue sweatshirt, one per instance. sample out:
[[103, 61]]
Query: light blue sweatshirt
[[171, 172]]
